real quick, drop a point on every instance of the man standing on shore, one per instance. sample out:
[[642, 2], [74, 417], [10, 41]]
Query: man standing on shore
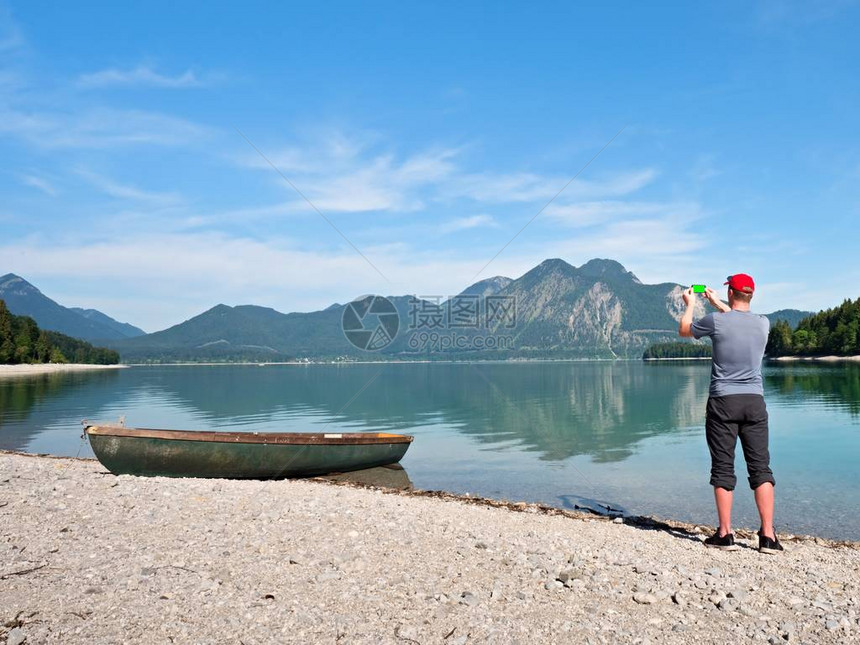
[[736, 406]]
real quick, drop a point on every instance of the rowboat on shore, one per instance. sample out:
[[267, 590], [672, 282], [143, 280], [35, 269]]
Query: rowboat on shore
[[241, 455]]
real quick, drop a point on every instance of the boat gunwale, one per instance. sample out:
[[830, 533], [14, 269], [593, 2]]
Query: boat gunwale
[[270, 438]]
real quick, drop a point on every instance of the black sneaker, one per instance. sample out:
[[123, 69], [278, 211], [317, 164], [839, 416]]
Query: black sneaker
[[768, 545], [724, 543]]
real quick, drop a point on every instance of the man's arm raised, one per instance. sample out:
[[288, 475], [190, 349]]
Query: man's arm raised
[[711, 295], [687, 319]]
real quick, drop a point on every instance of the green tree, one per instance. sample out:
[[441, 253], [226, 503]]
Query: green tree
[[21, 341], [779, 342], [678, 349], [7, 344], [43, 348], [23, 348], [800, 340], [831, 331]]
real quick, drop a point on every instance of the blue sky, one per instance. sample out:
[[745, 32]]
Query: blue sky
[[428, 135]]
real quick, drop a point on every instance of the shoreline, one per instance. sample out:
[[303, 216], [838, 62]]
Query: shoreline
[[677, 358], [516, 506], [505, 361], [91, 557], [29, 369], [823, 359], [393, 362]]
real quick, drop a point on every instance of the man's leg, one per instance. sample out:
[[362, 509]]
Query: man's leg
[[723, 498], [754, 441], [722, 433], [764, 501]]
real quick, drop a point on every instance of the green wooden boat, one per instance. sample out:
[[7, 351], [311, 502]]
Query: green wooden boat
[[241, 455]]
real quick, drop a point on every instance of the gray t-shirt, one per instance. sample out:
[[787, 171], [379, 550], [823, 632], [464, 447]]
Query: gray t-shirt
[[739, 339]]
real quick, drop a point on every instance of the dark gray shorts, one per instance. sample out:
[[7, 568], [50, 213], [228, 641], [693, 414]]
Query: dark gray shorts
[[729, 417]]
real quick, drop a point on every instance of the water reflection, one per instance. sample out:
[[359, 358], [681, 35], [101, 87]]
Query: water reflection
[[28, 404], [393, 476], [626, 434], [836, 385], [557, 410]]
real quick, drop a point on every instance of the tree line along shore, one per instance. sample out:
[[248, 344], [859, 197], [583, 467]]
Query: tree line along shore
[[22, 342], [832, 332]]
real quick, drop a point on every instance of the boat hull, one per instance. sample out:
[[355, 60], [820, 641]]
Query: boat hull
[[232, 459]]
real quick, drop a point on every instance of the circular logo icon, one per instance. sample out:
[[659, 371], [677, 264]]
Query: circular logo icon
[[370, 322]]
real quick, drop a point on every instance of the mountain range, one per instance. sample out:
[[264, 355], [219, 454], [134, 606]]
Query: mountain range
[[23, 299], [597, 310]]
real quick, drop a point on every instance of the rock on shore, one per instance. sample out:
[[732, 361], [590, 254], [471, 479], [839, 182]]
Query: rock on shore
[[87, 557]]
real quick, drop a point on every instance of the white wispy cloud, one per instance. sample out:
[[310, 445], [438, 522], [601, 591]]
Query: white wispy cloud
[[54, 116], [704, 169], [348, 174], [343, 173], [204, 269], [528, 187], [98, 128], [583, 214], [127, 192], [659, 248], [463, 223], [140, 76], [171, 212], [660, 237], [39, 183], [245, 215], [500, 188], [383, 184]]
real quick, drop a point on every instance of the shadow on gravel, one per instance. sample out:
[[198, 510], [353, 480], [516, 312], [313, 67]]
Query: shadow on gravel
[[650, 524]]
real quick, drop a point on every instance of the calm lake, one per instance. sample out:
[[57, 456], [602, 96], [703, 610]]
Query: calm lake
[[627, 433]]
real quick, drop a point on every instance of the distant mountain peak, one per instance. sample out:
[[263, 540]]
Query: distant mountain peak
[[487, 286], [554, 263], [791, 316], [599, 309], [607, 268], [24, 299], [12, 281], [127, 330], [552, 266]]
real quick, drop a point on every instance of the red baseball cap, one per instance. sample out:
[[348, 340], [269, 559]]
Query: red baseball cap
[[741, 282]]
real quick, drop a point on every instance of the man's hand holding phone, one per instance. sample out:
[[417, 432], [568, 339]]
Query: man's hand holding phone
[[711, 296], [689, 296], [707, 293]]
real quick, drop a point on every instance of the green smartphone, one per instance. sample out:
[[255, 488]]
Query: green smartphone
[[699, 288]]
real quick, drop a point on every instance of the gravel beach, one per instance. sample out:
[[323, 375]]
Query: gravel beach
[[87, 557]]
